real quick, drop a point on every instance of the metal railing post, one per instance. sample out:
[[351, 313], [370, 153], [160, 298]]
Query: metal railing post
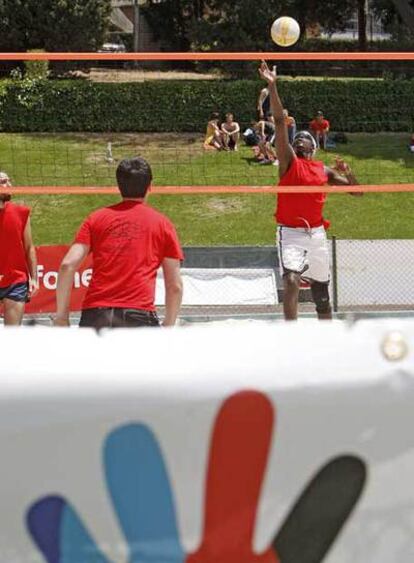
[[334, 276]]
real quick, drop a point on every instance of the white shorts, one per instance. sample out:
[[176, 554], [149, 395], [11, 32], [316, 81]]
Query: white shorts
[[304, 251]]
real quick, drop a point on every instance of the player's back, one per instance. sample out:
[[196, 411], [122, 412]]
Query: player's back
[[128, 241]]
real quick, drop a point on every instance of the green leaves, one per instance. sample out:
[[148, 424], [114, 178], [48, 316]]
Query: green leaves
[[53, 25], [185, 106]]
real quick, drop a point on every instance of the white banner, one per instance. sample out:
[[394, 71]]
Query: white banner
[[225, 286], [239, 444]]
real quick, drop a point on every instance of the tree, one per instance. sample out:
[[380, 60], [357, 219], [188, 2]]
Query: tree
[[172, 21], [237, 25], [53, 25], [406, 12], [362, 25], [397, 16]]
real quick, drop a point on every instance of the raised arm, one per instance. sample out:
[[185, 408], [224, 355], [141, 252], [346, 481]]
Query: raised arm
[[342, 175], [262, 96], [284, 150]]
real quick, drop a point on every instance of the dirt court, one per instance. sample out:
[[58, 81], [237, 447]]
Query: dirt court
[[141, 75]]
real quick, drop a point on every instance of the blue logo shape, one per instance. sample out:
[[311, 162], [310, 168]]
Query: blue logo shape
[[140, 490]]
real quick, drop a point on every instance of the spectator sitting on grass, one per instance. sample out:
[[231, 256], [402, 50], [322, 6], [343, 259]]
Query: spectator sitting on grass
[[263, 104], [214, 135], [411, 145], [231, 132], [319, 127], [265, 152]]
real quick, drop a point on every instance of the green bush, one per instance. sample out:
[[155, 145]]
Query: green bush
[[167, 106]]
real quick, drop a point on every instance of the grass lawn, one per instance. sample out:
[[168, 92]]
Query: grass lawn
[[79, 159]]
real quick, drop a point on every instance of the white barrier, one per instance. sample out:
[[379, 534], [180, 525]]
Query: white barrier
[[224, 286], [238, 444]]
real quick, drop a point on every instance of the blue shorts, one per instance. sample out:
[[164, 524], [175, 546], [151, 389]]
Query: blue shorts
[[15, 292]]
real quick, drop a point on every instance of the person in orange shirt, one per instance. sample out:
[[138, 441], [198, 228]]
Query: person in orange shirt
[[319, 127], [18, 264]]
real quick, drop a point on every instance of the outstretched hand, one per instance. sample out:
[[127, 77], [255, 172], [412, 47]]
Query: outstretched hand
[[341, 166], [267, 74]]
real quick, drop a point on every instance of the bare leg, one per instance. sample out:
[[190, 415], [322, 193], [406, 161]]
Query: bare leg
[[324, 316], [270, 152], [218, 140], [291, 283], [226, 139], [13, 312], [263, 151], [235, 137]]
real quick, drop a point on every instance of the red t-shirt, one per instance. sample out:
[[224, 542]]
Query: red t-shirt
[[302, 210], [319, 125], [13, 262], [129, 242]]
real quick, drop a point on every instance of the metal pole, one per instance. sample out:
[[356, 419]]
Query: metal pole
[[136, 29], [334, 276]]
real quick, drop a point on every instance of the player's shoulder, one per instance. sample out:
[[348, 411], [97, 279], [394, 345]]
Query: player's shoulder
[[156, 215], [19, 208], [97, 213]]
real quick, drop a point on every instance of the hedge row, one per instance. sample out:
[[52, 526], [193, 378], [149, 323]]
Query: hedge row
[[167, 106]]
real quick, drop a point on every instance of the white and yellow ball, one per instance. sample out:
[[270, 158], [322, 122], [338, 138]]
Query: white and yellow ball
[[285, 31]]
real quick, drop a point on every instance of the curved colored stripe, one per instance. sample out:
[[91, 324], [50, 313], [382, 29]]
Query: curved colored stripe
[[321, 511], [238, 457], [141, 493], [60, 534]]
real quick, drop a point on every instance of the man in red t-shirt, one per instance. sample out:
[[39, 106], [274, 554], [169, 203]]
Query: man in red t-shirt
[[18, 264], [129, 242], [319, 127], [302, 243]]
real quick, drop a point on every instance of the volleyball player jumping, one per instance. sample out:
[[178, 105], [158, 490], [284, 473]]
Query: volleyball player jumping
[[303, 247]]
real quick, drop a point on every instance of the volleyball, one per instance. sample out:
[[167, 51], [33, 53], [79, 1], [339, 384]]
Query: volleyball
[[285, 31]]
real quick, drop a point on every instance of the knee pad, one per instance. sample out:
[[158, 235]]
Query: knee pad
[[320, 295]]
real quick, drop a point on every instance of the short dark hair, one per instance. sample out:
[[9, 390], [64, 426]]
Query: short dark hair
[[134, 177], [215, 115]]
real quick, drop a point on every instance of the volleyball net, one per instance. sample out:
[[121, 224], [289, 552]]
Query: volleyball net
[[63, 138]]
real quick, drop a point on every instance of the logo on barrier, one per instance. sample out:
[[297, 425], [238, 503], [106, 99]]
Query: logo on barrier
[[140, 490]]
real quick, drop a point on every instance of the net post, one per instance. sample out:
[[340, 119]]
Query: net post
[[334, 276]]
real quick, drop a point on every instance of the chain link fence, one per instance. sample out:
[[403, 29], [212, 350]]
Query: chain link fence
[[366, 275]]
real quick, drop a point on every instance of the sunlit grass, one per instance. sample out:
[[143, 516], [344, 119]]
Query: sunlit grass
[[81, 159]]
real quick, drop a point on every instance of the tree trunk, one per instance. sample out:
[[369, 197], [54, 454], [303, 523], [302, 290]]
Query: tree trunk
[[362, 26], [406, 12]]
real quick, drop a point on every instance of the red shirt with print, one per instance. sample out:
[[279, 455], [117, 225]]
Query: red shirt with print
[[128, 241], [319, 125], [13, 262], [302, 210]]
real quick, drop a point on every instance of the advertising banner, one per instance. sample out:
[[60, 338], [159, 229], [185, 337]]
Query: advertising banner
[[245, 443], [49, 259]]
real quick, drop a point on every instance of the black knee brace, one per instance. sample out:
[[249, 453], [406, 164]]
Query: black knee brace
[[320, 295]]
